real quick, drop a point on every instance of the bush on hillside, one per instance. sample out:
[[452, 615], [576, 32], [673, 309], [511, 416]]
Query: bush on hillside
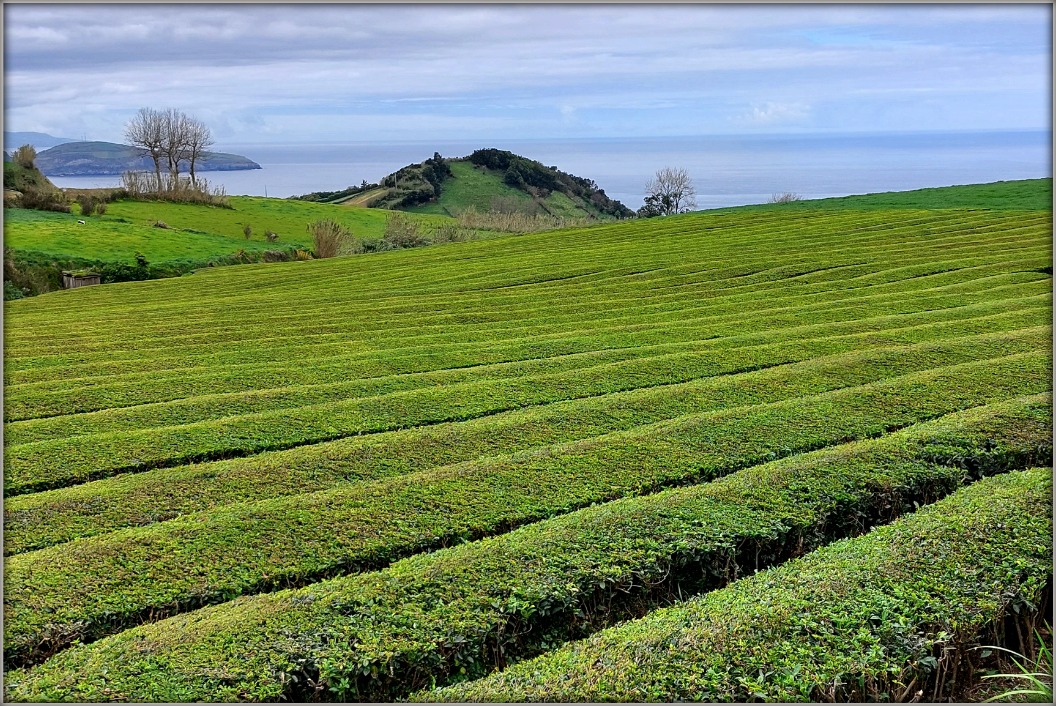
[[402, 232], [141, 185], [42, 198], [330, 239], [25, 156], [87, 202], [11, 291]]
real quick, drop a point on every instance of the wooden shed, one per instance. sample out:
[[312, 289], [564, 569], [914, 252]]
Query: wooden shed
[[78, 279]]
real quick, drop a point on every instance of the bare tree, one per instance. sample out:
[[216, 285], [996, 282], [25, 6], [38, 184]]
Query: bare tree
[[199, 137], [175, 140], [670, 191], [146, 131]]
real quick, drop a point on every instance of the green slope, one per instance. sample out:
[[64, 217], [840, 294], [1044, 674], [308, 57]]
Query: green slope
[[190, 448], [197, 234], [472, 187], [486, 180], [1024, 195]]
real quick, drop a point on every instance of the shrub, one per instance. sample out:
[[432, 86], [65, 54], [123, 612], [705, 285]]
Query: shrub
[[452, 233], [87, 202], [787, 197], [330, 238], [45, 199], [401, 231], [24, 156], [271, 236], [100, 208], [519, 222], [142, 185], [247, 230], [11, 291]]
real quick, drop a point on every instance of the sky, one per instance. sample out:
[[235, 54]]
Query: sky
[[298, 74]]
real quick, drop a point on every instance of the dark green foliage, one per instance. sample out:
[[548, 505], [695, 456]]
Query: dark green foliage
[[45, 199], [11, 291], [878, 618]]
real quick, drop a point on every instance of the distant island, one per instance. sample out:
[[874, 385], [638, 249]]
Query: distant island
[[111, 159]]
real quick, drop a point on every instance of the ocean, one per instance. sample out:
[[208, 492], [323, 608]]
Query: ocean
[[726, 170]]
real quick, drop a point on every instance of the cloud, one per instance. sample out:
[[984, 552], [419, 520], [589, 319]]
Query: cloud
[[777, 113], [603, 68]]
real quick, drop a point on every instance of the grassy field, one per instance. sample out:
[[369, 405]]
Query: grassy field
[[1024, 195], [365, 478], [197, 233], [471, 187]]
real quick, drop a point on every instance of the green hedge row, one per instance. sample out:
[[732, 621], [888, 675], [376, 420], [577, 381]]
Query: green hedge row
[[615, 244], [208, 342], [58, 462], [94, 586], [891, 616], [533, 319], [286, 394], [119, 384], [35, 521], [461, 612]]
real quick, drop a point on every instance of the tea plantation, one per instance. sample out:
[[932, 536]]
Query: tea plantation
[[780, 453]]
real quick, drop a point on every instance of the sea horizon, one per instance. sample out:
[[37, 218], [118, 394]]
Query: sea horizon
[[728, 170]]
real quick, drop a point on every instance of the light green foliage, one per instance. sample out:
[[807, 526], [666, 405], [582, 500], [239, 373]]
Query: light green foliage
[[202, 440], [860, 620]]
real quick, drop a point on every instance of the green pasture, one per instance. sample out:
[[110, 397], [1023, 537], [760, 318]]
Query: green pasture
[[1023, 195], [196, 233], [430, 473], [471, 187]]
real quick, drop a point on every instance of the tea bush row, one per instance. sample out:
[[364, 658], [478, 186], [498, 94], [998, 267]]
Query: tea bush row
[[38, 520], [462, 612], [90, 587], [891, 616], [52, 463]]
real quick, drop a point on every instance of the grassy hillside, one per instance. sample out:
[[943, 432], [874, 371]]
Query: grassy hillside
[[472, 187], [197, 235], [357, 478], [18, 178], [486, 180], [1023, 195]]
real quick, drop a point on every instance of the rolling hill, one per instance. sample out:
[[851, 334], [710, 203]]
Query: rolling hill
[[779, 454], [486, 180], [40, 140]]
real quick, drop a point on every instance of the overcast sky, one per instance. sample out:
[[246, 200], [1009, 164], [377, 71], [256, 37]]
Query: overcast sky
[[348, 73]]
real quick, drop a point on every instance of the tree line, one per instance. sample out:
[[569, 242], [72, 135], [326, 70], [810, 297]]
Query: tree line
[[170, 138]]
